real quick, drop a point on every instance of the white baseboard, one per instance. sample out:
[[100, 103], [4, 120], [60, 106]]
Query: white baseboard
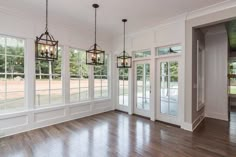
[[217, 116], [186, 126], [192, 126], [198, 121]]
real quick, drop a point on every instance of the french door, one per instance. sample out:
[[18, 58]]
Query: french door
[[142, 88], [168, 90]]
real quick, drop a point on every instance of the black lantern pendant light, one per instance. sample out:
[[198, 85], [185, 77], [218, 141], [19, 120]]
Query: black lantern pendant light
[[46, 46], [124, 60], [95, 56]]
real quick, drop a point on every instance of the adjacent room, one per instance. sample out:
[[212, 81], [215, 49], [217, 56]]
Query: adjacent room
[[121, 78]]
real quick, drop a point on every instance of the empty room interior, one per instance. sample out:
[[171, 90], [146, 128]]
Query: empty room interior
[[121, 78]]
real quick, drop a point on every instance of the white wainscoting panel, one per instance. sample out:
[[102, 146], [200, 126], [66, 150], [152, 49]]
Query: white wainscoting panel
[[28, 120]]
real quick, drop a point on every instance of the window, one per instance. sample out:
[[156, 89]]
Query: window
[[49, 82], [168, 50], [169, 87], [142, 54], [232, 76], [11, 73], [101, 80], [123, 86], [79, 78]]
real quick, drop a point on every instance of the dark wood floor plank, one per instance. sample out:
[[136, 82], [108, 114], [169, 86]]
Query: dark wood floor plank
[[118, 134]]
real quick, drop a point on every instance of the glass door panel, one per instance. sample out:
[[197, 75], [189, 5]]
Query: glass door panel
[[142, 87], [169, 90]]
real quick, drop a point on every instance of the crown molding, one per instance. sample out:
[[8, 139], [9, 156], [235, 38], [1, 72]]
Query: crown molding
[[211, 9]]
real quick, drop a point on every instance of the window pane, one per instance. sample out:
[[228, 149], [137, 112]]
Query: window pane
[[123, 86], [56, 82], [42, 82], [173, 101], [84, 83], [2, 65], [101, 80], [14, 100], [104, 91], [15, 64], [15, 83], [121, 100], [2, 45], [164, 68], [173, 81], [2, 83], [15, 47], [49, 82], [56, 96], [173, 68], [57, 65], [42, 97], [42, 67], [74, 82], [84, 94], [79, 80], [168, 50], [141, 54], [12, 74], [2, 100], [98, 92], [74, 94], [97, 81]]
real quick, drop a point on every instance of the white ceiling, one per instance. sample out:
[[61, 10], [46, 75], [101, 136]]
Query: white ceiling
[[141, 14]]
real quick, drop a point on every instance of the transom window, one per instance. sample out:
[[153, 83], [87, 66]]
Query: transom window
[[79, 76], [49, 82], [142, 54], [123, 86], [11, 73], [168, 50], [101, 80]]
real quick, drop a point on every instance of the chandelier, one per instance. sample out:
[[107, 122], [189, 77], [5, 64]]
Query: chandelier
[[95, 55], [124, 60], [46, 46]]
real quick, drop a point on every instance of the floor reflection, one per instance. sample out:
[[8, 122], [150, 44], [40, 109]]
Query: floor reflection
[[118, 134], [123, 132]]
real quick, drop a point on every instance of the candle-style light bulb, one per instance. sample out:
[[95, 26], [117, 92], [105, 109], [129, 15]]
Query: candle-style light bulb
[[42, 50]]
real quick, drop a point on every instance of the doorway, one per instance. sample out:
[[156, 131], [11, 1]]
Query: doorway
[[168, 90], [142, 88]]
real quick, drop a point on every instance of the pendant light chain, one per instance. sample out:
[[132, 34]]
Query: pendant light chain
[[95, 26], [124, 38], [46, 28]]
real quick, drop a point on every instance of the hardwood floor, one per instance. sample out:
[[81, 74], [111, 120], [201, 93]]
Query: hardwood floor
[[118, 134]]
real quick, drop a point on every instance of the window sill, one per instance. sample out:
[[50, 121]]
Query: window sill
[[49, 108]]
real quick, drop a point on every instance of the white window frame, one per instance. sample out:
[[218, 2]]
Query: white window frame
[[127, 75], [108, 81], [38, 105], [89, 78], [6, 73]]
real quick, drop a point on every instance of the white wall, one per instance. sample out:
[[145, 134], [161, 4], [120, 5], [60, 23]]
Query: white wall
[[69, 36], [216, 65], [196, 115], [203, 17]]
